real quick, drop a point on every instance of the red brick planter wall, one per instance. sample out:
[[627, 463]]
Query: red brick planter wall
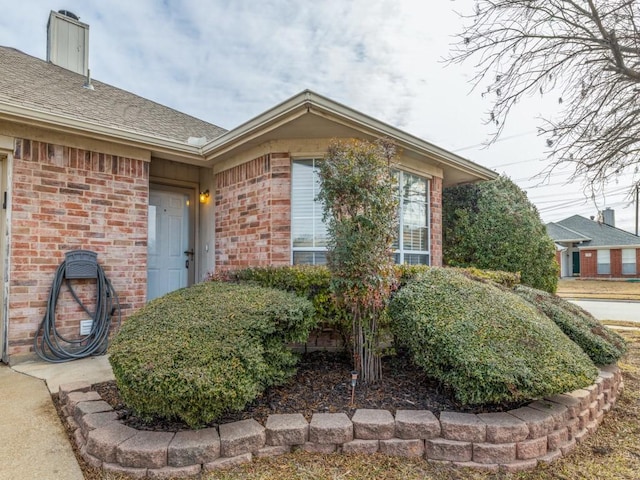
[[65, 199], [516, 440]]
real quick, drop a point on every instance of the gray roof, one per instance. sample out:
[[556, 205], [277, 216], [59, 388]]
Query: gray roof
[[31, 83], [590, 233]]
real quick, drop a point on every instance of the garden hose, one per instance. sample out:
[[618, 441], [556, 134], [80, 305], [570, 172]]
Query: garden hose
[[51, 346]]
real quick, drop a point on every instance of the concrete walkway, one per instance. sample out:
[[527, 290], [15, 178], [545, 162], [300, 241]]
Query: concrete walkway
[[33, 442]]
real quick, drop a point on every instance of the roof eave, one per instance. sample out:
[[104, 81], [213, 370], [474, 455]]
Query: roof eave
[[159, 146], [310, 102]]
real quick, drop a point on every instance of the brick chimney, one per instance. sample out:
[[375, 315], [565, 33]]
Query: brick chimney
[[68, 42]]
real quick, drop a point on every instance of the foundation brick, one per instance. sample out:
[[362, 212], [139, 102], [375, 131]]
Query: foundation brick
[[402, 448], [532, 448], [310, 447], [557, 438], [65, 389], [174, 472], [330, 428], [371, 424], [241, 437], [539, 423], [462, 427], [144, 450], [489, 453], [102, 442], [96, 420], [504, 428], [287, 429], [416, 424], [192, 447], [130, 471], [361, 447], [448, 450], [85, 408]]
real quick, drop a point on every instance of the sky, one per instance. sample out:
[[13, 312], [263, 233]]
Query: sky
[[227, 61]]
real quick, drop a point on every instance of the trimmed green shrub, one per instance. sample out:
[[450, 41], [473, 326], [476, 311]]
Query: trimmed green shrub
[[493, 225], [506, 279], [201, 351], [604, 346], [486, 343]]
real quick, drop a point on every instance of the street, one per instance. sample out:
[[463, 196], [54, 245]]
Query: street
[[611, 309]]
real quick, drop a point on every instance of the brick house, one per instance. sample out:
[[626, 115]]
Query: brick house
[[591, 248], [164, 198]]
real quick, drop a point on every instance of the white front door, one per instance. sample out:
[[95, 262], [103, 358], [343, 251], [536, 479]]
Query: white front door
[[170, 265]]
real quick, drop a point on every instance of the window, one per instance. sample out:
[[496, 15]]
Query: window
[[628, 261], [412, 244], [309, 234], [604, 262]]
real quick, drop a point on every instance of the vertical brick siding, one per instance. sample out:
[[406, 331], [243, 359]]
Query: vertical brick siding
[[253, 213], [65, 199], [589, 265], [435, 201]]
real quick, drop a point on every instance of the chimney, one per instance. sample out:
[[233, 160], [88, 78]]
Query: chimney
[[68, 42], [608, 217]]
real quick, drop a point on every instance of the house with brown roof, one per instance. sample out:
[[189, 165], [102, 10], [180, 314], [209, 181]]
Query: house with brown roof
[[595, 248], [164, 198]]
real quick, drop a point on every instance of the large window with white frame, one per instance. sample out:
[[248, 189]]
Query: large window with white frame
[[604, 262], [628, 261], [309, 234]]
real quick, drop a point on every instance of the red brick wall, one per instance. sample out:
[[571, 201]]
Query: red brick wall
[[588, 264], [65, 199], [616, 263], [253, 213], [435, 201]]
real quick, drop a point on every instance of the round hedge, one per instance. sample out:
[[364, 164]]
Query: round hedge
[[603, 345], [486, 343], [198, 352]]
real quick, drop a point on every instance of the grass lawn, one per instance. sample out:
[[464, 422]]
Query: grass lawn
[[613, 453], [605, 289]]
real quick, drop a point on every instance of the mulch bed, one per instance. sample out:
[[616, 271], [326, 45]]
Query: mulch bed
[[323, 385]]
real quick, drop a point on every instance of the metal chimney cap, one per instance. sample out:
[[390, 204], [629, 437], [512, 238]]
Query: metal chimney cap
[[69, 14]]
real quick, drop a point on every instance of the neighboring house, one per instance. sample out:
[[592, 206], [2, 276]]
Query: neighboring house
[[165, 198], [595, 249]]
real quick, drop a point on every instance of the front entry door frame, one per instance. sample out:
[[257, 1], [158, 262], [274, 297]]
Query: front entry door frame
[[4, 253], [190, 195]]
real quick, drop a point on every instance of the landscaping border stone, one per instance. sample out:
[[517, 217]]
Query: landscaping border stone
[[520, 439]]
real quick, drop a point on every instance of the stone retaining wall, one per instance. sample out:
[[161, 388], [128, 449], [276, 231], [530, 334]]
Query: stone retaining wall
[[542, 431]]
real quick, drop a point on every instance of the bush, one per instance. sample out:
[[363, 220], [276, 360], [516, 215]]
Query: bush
[[198, 352], [493, 225], [484, 342], [603, 345]]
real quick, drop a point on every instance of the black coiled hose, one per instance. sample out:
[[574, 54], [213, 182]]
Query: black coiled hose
[[53, 347]]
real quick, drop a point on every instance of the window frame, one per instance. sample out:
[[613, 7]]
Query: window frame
[[632, 265], [603, 268], [400, 253]]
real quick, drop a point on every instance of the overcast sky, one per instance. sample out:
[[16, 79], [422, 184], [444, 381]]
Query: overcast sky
[[226, 61]]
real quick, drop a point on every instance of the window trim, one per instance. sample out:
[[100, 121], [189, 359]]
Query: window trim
[[400, 251], [600, 266], [633, 264]]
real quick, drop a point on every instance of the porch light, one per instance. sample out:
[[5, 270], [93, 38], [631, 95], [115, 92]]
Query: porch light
[[204, 196]]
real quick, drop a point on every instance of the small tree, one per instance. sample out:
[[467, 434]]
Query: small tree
[[493, 225], [360, 210]]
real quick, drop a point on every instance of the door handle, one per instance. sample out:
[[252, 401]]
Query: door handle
[[189, 252]]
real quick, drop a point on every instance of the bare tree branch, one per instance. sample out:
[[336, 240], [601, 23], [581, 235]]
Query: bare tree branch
[[587, 52]]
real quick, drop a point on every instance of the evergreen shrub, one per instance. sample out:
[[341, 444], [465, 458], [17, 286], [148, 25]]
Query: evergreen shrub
[[485, 342], [604, 346], [198, 352]]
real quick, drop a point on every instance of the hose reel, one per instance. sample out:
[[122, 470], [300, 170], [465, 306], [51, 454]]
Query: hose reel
[[49, 344]]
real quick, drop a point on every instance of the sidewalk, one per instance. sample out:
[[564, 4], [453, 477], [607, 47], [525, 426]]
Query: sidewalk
[[34, 441]]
